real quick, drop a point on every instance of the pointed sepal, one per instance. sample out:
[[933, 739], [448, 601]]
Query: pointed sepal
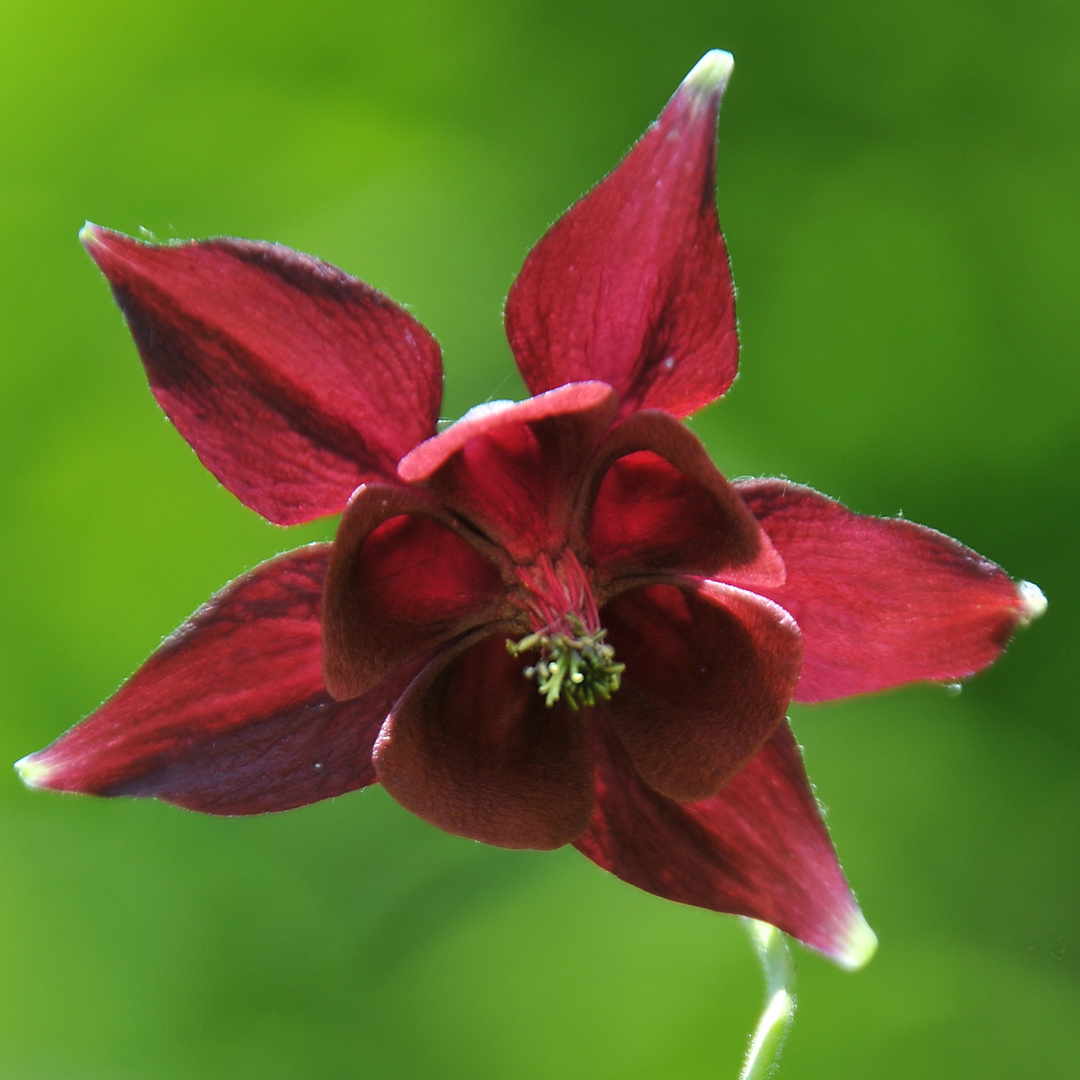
[[632, 284]]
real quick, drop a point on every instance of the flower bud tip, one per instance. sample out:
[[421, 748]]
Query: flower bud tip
[[1032, 601], [34, 774], [860, 944], [711, 73]]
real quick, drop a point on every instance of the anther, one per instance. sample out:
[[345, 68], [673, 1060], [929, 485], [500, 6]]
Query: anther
[[575, 666]]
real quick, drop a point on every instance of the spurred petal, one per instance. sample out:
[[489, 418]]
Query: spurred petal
[[759, 848], [293, 381], [230, 715], [514, 469], [404, 578], [472, 748], [659, 504], [709, 674], [632, 284], [880, 601]]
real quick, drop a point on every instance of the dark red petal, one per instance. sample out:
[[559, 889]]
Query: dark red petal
[[759, 848], [880, 601], [472, 748], [293, 381], [632, 285], [514, 469], [230, 715], [401, 582], [709, 674], [661, 505]]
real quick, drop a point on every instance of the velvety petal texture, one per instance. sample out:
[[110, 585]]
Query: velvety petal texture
[[758, 848], [655, 503], [880, 601], [230, 715], [555, 621], [472, 749], [293, 381], [404, 578], [709, 674], [515, 469], [632, 284]]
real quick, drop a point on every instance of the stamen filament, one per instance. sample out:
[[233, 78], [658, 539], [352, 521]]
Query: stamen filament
[[575, 666]]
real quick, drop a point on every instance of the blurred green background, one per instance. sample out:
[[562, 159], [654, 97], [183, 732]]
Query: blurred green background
[[900, 187]]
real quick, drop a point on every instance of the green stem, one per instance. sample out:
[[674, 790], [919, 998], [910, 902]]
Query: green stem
[[767, 1042]]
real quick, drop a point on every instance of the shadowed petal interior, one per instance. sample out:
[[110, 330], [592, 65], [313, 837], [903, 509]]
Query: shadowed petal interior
[[402, 580], [514, 469], [880, 601], [659, 504], [709, 674], [472, 749]]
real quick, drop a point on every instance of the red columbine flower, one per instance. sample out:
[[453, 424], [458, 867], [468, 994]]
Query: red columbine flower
[[555, 622]]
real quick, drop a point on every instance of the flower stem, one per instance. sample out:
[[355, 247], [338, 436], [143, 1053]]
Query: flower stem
[[767, 1042]]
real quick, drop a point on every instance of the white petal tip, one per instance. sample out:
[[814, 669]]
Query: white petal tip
[[859, 945], [89, 234], [34, 774], [1032, 601], [711, 73]]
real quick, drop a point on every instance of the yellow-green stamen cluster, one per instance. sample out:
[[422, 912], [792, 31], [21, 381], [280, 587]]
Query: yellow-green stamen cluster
[[574, 666]]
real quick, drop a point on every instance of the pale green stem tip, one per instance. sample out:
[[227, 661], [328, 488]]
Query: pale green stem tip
[[763, 1056], [767, 1042]]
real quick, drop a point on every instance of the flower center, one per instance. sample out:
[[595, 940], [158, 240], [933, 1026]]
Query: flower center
[[576, 664]]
